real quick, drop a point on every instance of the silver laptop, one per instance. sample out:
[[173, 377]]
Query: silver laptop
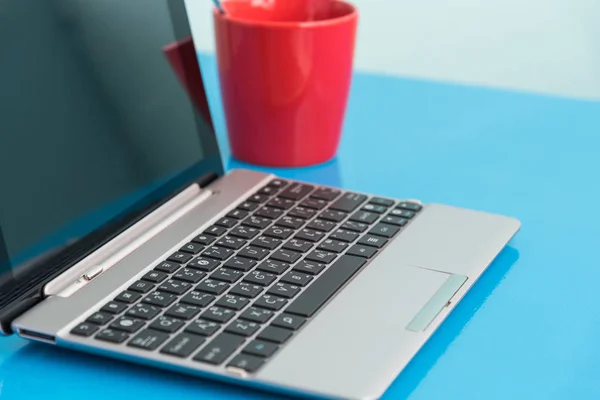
[[120, 234]]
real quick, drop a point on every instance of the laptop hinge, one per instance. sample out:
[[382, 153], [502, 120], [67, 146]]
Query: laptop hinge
[[127, 242]]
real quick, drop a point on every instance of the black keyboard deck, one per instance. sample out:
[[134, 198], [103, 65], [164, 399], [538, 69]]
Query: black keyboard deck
[[248, 283]]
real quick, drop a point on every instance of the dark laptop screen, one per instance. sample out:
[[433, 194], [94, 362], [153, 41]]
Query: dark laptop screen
[[102, 111]]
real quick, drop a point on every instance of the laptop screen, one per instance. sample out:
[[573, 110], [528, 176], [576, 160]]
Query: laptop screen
[[102, 113]]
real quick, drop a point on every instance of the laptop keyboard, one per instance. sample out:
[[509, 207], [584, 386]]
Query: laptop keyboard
[[240, 290]]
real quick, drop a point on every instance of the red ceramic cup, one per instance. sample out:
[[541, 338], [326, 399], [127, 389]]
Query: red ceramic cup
[[285, 81]]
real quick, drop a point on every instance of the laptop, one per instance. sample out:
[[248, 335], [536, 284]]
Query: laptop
[[121, 235]]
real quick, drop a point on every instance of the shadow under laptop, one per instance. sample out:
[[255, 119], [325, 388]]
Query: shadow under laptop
[[63, 373], [447, 332]]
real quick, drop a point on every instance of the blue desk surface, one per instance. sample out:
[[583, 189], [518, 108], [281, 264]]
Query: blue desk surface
[[530, 329]]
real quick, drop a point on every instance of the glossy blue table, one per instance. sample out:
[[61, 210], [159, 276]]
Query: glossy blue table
[[529, 329]]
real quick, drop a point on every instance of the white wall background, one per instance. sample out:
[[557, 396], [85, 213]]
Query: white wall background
[[548, 46]]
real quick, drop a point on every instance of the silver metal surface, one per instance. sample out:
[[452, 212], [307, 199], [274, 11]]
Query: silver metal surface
[[356, 345], [93, 272], [69, 282]]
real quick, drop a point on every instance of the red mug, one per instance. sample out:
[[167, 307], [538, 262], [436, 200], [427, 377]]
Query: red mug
[[285, 81]]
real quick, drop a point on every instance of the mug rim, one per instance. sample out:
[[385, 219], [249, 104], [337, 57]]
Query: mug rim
[[351, 15]]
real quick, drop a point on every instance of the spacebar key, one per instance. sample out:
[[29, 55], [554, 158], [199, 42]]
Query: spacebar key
[[326, 286]]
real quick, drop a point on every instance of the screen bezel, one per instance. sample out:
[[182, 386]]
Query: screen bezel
[[27, 289]]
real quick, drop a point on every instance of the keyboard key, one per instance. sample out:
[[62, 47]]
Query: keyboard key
[[189, 275], [180, 257], [231, 242], [334, 246], [258, 198], [275, 334], [279, 232], [288, 321], [114, 308], [290, 222], [167, 324], [204, 239], [266, 242], [322, 289], [296, 278], [212, 287], [274, 267], [226, 222], [382, 202], [410, 206], [168, 267], [257, 222], [155, 276], [218, 253], [362, 251], [278, 183], [384, 230], [112, 336], [183, 311], [204, 264], [374, 208], [219, 349], [232, 301], [327, 194], [198, 299], [303, 213], [237, 214], [349, 202], [85, 329], [355, 226], [227, 275], [183, 345], [260, 348], [244, 232], [240, 263], [243, 328], [364, 217], [203, 327], [256, 314], [299, 245], [248, 206], [218, 314], [160, 299], [332, 215], [144, 311], [148, 339], [371, 240], [321, 225], [286, 255], [246, 290], [128, 297], [398, 212], [175, 286], [269, 212], [100, 318], [215, 230], [317, 204], [268, 190], [296, 191], [126, 324], [246, 362], [284, 290], [310, 235], [309, 267], [270, 302], [255, 253], [344, 235], [320, 256], [142, 287], [260, 278], [390, 219], [192, 248], [283, 204]]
